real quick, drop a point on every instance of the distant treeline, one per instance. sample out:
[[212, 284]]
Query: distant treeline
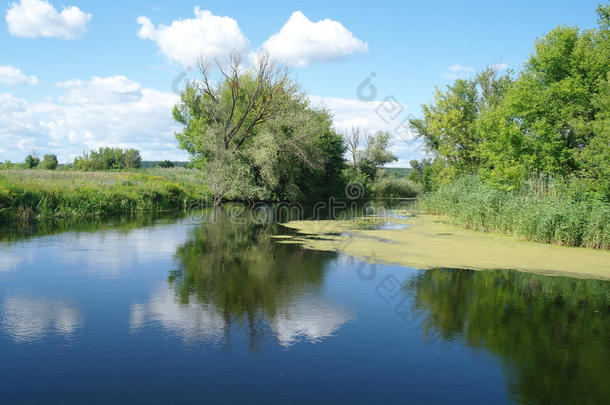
[[105, 158]]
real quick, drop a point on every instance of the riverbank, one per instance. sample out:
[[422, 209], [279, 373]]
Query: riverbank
[[545, 211], [432, 242], [36, 194]]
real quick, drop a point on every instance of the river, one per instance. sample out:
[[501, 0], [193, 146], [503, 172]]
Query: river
[[183, 309]]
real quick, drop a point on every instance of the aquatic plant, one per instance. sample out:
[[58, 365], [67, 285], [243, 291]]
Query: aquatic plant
[[541, 210]]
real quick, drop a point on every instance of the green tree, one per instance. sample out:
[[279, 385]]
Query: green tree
[[131, 159], [449, 127], [49, 162], [376, 154], [166, 164], [106, 158], [553, 111], [255, 134], [31, 162]]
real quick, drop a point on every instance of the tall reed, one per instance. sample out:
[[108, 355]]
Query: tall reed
[[543, 210]]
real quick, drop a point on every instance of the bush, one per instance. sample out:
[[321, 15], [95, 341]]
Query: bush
[[108, 158], [392, 187], [49, 162], [31, 162], [166, 164]]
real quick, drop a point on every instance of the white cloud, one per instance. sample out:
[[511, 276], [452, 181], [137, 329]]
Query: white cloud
[[112, 111], [186, 40], [301, 41], [457, 71], [38, 18], [193, 321], [308, 318], [27, 319], [101, 90], [11, 75]]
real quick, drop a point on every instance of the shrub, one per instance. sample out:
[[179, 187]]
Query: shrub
[[49, 162], [392, 187]]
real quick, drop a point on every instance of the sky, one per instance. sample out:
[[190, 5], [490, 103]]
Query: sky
[[76, 75]]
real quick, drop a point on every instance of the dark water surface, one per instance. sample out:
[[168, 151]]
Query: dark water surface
[[173, 311]]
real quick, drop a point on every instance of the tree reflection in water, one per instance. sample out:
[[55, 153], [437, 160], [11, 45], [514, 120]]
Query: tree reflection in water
[[233, 275], [551, 333]]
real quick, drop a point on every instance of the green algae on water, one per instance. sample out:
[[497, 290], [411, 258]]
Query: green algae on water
[[431, 242]]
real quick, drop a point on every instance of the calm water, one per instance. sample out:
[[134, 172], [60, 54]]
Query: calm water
[[171, 311]]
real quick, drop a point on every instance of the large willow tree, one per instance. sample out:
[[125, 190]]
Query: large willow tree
[[255, 134]]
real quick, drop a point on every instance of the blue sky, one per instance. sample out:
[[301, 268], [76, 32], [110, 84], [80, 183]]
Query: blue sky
[[93, 77]]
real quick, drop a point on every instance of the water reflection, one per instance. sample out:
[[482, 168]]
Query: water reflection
[[194, 321], [27, 319], [551, 333], [233, 275], [308, 317], [230, 286]]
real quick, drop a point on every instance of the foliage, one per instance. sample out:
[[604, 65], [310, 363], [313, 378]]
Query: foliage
[[106, 158], [49, 162], [166, 164], [31, 162], [256, 136], [542, 210], [551, 119], [392, 187], [376, 154]]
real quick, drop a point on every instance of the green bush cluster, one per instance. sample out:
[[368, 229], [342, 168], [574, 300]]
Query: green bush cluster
[[108, 158], [541, 210], [395, 187]]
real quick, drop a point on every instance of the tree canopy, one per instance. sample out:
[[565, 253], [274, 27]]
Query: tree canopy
[[256, 135], [551, 119]]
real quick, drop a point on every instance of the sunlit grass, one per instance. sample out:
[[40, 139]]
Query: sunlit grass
[[27, 194]]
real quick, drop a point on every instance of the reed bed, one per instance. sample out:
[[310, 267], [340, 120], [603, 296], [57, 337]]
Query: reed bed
[[542, 210]]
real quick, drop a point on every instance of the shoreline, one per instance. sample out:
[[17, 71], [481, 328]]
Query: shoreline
[[431, 242]]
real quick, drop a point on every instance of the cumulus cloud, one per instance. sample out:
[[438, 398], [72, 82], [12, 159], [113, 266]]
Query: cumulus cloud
[[186, 40], [38, 18], [11, 75], [101, 90], [457, 71], [301, 42], [112, 111]]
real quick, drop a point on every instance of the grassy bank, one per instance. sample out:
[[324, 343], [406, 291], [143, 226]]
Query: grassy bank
[[541, 211], [30, 194]]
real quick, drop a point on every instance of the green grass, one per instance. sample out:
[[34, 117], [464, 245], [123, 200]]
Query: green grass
[[30, 194], [542, 211]]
